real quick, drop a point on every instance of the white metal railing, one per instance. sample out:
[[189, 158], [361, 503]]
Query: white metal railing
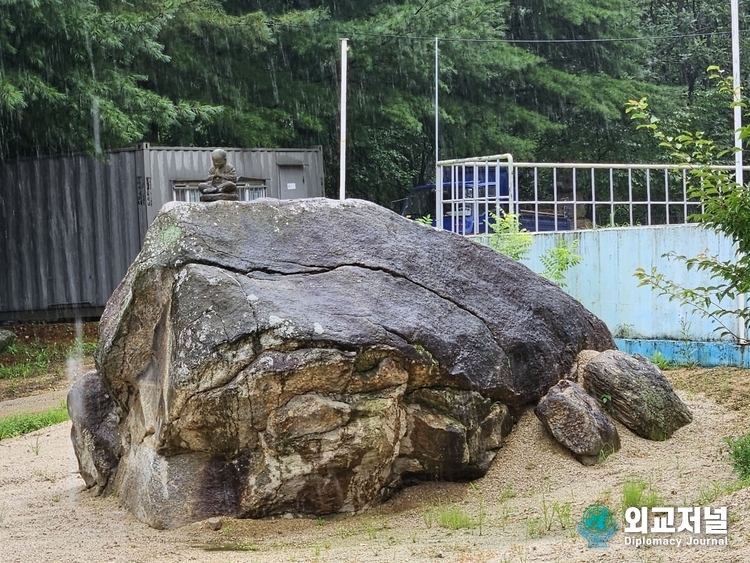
[[591, 195], [188, 190], [562, 196]]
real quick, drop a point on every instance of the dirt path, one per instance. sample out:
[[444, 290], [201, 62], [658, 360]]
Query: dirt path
[[46, 516], [33, 404]]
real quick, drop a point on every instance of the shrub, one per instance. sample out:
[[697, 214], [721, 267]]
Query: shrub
[[739, 452]]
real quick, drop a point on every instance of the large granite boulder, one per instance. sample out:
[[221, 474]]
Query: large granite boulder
[[636, 393], [307, 356], [577, 421]]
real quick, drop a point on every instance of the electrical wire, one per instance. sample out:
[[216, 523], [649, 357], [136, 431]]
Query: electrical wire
[[537, 41]]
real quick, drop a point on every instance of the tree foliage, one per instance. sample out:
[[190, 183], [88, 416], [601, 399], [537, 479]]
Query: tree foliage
[[84, 74], [541, 79], [70, 78]]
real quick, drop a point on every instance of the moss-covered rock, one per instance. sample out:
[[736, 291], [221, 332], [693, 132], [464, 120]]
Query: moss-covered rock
[[635, 392]]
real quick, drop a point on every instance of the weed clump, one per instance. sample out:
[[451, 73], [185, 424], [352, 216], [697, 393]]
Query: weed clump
[[638, 493], [739, 452]]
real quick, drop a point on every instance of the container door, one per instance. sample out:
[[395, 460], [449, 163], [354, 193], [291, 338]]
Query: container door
[[292, 184]]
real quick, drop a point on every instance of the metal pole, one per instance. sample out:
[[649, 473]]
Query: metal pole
[[437, 114], [342, 144], [737, 126], [438, 172]]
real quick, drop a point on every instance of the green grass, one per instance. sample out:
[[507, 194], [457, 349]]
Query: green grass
[[638, 493], [716, 489], [739, 452], [660, 361], [34, 359], [30, 360], [551, 515], [508, 492], [453, 517], [83, 347], [19, 424]]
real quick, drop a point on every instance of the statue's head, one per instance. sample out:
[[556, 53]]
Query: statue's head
[[219, 157]]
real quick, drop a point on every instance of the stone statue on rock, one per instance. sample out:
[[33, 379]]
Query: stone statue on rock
[[310, 357], [221, 183]]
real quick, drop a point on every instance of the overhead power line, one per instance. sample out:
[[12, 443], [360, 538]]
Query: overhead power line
[[527, 41]]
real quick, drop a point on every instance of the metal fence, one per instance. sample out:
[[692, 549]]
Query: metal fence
[[563, 196]]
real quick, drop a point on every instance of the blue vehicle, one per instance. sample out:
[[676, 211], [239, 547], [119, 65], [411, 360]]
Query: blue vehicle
[[469, 204]]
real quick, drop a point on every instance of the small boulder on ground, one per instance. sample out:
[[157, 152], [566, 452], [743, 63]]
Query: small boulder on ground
[[7, 338], [636, 393], [577, 422]]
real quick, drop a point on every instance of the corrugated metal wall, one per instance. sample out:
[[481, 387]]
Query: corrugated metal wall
[[69, 228], [164, 164]]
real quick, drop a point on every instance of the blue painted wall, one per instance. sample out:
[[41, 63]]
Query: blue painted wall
[[686, 352], [605, 284]]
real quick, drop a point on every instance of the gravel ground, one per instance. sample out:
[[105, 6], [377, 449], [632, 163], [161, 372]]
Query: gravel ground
[[47, 516]]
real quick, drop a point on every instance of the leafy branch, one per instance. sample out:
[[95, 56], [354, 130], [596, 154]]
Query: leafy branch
[[725, 209], [559, 260], [509, 238]]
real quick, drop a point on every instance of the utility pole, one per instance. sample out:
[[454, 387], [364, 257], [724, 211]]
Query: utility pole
[[342, 143], [738, 176]]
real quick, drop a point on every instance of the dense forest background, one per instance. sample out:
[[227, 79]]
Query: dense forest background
[[545, 80]]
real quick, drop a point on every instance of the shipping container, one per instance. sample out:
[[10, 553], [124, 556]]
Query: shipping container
[[71, 225]]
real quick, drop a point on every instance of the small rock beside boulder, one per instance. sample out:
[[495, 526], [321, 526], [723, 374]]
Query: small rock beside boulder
[[577, 421], [96, 439], [631, 389], [7, 338], [637, 394]]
